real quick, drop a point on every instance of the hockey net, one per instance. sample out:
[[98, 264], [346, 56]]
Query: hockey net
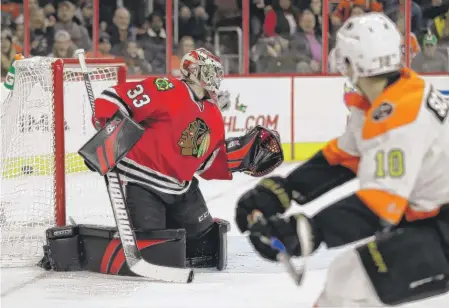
[[44, 182]]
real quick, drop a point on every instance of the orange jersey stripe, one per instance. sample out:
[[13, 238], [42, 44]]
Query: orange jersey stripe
[[336, 156], [387, 206]]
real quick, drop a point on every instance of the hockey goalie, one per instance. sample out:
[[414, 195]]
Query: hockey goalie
[[173, 130], [397, 145]]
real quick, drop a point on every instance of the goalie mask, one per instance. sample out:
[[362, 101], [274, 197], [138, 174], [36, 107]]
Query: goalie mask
[[204, 69]]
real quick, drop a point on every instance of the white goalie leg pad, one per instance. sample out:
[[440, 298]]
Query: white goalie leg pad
[[347, 284]]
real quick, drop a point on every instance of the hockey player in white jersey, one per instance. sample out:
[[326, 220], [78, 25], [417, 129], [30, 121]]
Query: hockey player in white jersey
[[397, 144]]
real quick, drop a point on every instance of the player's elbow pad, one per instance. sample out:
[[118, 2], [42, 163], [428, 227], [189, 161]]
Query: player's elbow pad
[[316, 177]]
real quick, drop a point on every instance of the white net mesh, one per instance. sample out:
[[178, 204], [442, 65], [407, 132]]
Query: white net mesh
[[27, 167]]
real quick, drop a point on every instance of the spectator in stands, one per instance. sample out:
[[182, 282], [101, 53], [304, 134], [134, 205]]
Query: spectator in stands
[[153, 43], [33, 5], [430, 60], [193, 25], [432, 9], [120, 30], [79, 35], [316, 8], [272, 55], [8, 51], [343, 10], [306, 44], [49, 10], [6, 21], [104, 47], [11, 9], [417, 18], [280, 20], [88, 13], [186, 44], [416, 12], [441, 29], [42, 33], [257, 17], [135, 59], [357, 10], [209, 41], [227, 13], [159, 6], [191, 4], [63, 47]]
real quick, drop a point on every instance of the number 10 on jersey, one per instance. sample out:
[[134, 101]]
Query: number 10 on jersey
[[390, 164]]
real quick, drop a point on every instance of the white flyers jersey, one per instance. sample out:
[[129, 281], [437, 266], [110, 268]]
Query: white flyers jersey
[[399, 148]]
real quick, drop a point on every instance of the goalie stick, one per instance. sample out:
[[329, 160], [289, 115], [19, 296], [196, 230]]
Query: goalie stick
[[127, 236]]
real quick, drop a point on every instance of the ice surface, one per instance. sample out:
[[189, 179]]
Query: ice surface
[[248, 281]]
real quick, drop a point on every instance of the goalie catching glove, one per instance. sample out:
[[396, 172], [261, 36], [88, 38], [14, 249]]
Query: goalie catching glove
[[257, 153]]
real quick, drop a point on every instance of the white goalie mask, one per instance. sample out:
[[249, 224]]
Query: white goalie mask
[[370, 43], [202, 67]]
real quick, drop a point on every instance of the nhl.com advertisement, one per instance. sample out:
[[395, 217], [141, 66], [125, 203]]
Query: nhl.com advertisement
[[238, 118]]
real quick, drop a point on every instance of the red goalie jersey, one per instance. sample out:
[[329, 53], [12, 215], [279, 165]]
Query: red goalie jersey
[[183, 134]]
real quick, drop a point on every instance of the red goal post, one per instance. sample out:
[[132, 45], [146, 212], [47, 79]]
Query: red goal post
[[46, 118], [58, 81]]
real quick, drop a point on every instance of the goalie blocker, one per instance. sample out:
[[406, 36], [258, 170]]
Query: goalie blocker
[[98, 249], [110, 144]]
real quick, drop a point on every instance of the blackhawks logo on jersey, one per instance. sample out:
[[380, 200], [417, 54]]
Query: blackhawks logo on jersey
[[163, 84], [195, 139]]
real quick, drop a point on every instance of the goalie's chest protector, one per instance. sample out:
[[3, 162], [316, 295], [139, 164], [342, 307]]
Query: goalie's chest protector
[[182, 136]]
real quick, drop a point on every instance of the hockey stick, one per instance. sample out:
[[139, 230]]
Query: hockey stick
[[127, 236], [297, 274]]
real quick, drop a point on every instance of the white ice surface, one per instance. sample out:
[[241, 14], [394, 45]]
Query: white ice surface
[[248, 281]]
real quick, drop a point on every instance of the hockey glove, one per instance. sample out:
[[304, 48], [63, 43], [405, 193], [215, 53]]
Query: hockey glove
[[283, 229], [271, 196], [259, 212], [257, 153]]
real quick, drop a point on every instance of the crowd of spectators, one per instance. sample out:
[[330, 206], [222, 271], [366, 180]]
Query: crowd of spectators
[[289, 35], [285, 35]]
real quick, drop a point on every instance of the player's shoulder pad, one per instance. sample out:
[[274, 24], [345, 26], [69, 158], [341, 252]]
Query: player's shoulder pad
[[398, 106]]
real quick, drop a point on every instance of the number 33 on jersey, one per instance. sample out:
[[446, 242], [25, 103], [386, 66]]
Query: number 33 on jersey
[[399, 147], [137, 96]]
